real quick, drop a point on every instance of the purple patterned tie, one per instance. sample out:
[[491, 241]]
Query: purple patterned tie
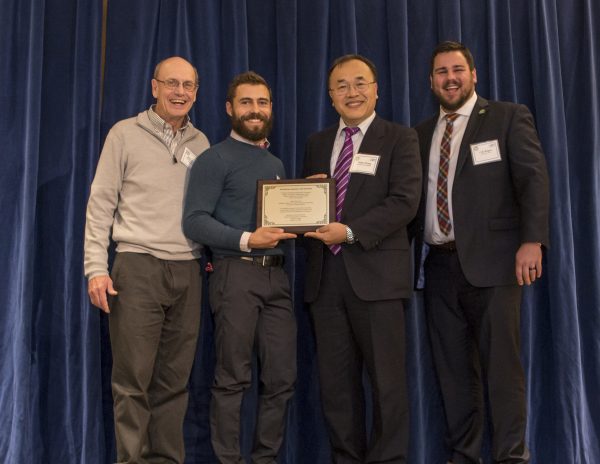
[[443, 213], [342, 177]]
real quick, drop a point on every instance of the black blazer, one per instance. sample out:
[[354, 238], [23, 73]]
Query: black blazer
[[499, 205], [377, 208]]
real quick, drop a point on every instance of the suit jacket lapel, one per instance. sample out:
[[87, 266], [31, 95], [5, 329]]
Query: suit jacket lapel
[[429, 128], [426, 148], [477, 117], [371, 143], [323, 160]]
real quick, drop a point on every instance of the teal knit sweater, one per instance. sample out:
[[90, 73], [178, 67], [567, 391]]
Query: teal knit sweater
[[220, 203]]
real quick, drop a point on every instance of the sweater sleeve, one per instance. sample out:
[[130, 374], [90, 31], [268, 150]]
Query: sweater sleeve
[[102, 204], [206, 182]]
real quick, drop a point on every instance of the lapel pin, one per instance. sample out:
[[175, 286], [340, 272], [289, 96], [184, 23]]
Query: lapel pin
[[482, 111]]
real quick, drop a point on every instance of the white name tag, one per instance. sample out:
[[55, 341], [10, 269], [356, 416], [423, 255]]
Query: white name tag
[[485, 152], [363, 163], [188, 157]]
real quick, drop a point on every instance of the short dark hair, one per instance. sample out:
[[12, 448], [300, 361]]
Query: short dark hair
[[160, 63], [248, 77], [450, 46], [343, 59]]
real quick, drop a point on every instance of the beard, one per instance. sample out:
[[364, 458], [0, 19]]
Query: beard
[[466, 91], [255, 133]]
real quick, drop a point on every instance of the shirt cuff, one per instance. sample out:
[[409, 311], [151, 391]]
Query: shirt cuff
[[244, 242]]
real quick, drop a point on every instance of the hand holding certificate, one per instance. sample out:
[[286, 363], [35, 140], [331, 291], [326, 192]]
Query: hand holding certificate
[[268, 237], [298, 205]]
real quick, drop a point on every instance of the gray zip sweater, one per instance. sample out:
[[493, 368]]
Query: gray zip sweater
[[138, 193]]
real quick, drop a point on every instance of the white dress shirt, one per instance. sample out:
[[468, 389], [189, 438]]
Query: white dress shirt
[[356, 139], [433, 234]]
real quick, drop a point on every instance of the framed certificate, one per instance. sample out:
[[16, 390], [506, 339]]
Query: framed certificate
[[296, 205]]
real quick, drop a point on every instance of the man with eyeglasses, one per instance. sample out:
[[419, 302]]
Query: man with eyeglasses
[[249, 288], [152, 295], [358, 268]]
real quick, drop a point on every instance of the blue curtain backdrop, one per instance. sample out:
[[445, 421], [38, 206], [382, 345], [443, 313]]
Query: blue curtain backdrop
[[57, 106]]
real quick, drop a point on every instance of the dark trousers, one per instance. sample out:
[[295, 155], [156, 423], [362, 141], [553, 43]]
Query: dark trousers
[[154, 324], [252, 307], [351, 333], [475, 339]]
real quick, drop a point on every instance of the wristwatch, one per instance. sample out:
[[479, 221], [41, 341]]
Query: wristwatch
[[350, 238]]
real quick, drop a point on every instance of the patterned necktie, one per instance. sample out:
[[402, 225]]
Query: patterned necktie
[[341, 175], [443, 213]]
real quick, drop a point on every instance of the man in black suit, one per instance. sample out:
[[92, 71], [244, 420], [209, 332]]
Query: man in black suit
[[358, 268], [484, 220]]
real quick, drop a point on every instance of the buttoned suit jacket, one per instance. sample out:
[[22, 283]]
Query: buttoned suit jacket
[[497, 206], [377, 208]]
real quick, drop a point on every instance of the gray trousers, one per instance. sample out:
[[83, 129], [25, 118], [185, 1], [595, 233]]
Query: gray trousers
[[252, 308], [154, 324]]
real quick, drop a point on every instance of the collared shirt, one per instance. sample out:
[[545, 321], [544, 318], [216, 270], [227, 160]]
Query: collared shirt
[[165, 131], [265, 145], [356, 139], [433, 234]]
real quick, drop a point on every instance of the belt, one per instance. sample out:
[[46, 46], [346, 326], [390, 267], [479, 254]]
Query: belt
[[264, 261], [448, 247]]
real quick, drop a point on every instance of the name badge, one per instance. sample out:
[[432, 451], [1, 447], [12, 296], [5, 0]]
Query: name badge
[[485, 152], [363, 163], [188, 157]]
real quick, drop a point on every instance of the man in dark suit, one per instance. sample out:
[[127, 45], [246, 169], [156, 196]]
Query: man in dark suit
[[358, 268], [484, 221]]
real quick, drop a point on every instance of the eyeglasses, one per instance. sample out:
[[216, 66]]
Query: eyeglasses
[[344, 87], [174, 84]]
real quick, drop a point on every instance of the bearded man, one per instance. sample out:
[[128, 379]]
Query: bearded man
[[249, 289], [481, 231]]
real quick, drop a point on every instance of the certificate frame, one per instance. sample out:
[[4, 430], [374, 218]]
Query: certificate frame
[[295, 205]]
